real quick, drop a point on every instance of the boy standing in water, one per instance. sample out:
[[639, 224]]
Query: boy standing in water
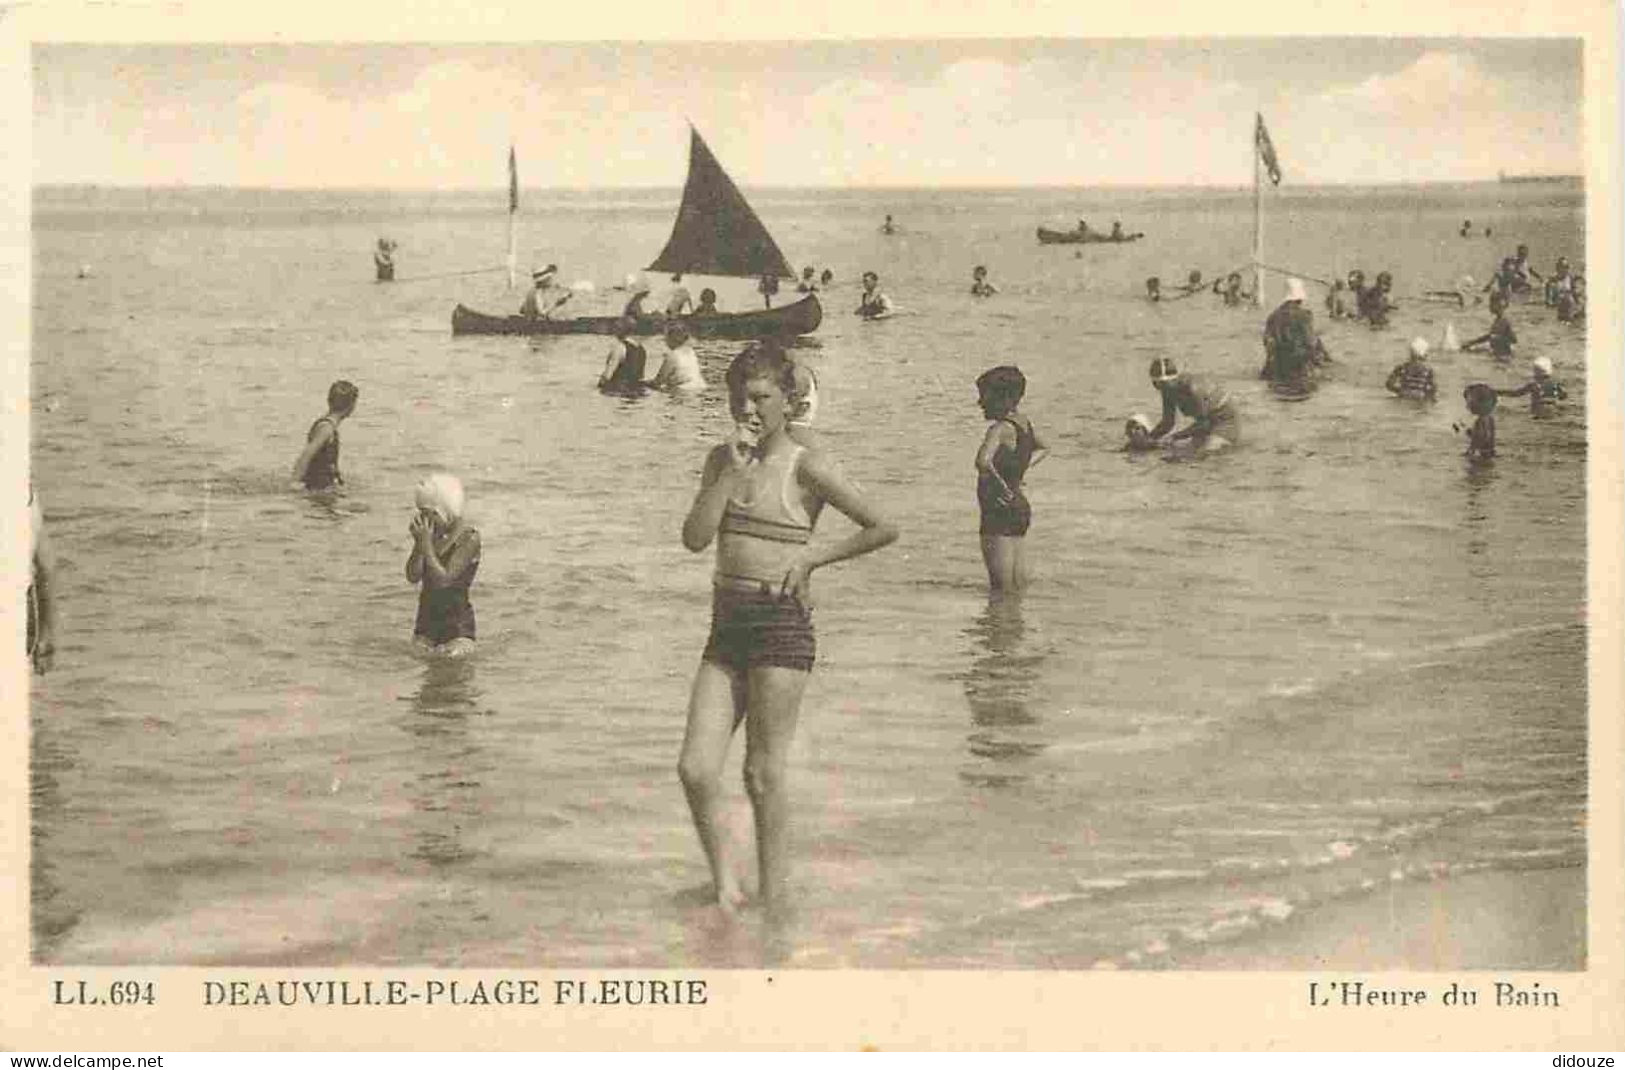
[[1481, 436], [41, 637], [760, 495], [1010, 447], [318, 464]]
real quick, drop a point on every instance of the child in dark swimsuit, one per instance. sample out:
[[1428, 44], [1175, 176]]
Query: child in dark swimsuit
[[1010, 447], [1544, 391], [318, 464], [445, 556], [1480, 399], [760, 495]]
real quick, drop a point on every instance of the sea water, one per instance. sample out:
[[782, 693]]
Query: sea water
[[1239, 689]]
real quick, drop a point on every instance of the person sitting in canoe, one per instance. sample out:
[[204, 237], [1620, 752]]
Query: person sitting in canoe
[[626, 362], [633, 309], [1117, 231], [873, 304], [1153, 289], [826, 278], [1083, 228], [979, 286], [808, 284], [678, 301], [767, 287], [545, 294], [1466, 228], [708, 303]]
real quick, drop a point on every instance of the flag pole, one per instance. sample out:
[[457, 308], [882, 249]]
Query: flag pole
[[1258, 214], [513, 215]]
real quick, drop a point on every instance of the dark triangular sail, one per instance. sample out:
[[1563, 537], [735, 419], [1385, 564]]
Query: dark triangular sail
[[716, 232]]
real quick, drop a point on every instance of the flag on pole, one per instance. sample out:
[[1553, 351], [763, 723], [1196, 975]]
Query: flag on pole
[[513, 181], [1266, 151]]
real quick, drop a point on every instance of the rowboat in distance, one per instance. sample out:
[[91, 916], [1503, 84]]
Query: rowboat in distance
[[716, 233], [1047, 236], [801, 317]]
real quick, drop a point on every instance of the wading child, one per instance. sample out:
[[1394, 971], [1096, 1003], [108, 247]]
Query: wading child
[[1544, 391], [1137, 434], [1413, 378], [318, 464], [1500, 337], [1010, 447], [445, 556], [1481, 435], [760, 495]]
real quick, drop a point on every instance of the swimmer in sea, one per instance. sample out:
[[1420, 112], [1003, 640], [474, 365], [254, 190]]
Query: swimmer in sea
[[979, 286], [1544, 391], [1500, 337], [761, 494], [873, 304], [1009, 450], [445, 556], [626, 363], [41, 635], [1215, 424], [680, 367], [1480, 400], [808, 284], [1413, 378], [1571, 304], [318, 464]]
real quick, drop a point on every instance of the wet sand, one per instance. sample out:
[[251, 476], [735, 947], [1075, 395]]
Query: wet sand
[[1530, 920]]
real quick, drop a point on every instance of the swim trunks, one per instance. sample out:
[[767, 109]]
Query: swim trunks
[[755, 627]]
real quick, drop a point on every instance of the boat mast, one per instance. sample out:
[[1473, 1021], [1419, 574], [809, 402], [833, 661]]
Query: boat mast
[[1258, 217], [513, 215]]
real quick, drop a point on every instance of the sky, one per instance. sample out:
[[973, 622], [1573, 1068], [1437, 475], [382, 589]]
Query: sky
[[1012, 112]]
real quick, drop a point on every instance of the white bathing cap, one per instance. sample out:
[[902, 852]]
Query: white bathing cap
[[1419, 347], [1542, 364], [1294, 290], [442, 494]]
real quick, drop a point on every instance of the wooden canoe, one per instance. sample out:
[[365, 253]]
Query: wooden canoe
[[800, 317], [1047, 236]]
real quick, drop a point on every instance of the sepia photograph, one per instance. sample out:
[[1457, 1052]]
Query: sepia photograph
[[1062, 503]]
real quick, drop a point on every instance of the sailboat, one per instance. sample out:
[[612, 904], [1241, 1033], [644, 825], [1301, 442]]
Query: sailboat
[[716, 233]]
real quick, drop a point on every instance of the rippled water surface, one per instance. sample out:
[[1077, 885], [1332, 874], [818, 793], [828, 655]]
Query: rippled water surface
[[1240, 687]]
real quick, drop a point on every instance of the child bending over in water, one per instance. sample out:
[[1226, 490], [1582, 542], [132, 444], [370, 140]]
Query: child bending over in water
[[318, 464], [1481, 436], [760, 495], [445, 555], [1010, 447]]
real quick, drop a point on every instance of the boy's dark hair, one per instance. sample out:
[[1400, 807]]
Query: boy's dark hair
[[1004, 385], [765, 359], [1480, 398], [342, 396]]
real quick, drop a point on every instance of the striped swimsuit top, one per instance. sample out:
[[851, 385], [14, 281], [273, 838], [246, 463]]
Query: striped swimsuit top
[[769, 507]]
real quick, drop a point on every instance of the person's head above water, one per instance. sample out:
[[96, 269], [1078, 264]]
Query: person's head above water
[[1163, 372], [1356, 278], [1480, 398], [978, 271], [826, 276], [1385, 279], [765, 359], [1000, 389], [1194, 278], [441, 495], [1523, 251], [342, 396], [676, 334], [1419, 349], [1137, 427], [870, 279], [1294, 290], [1153, 284]]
